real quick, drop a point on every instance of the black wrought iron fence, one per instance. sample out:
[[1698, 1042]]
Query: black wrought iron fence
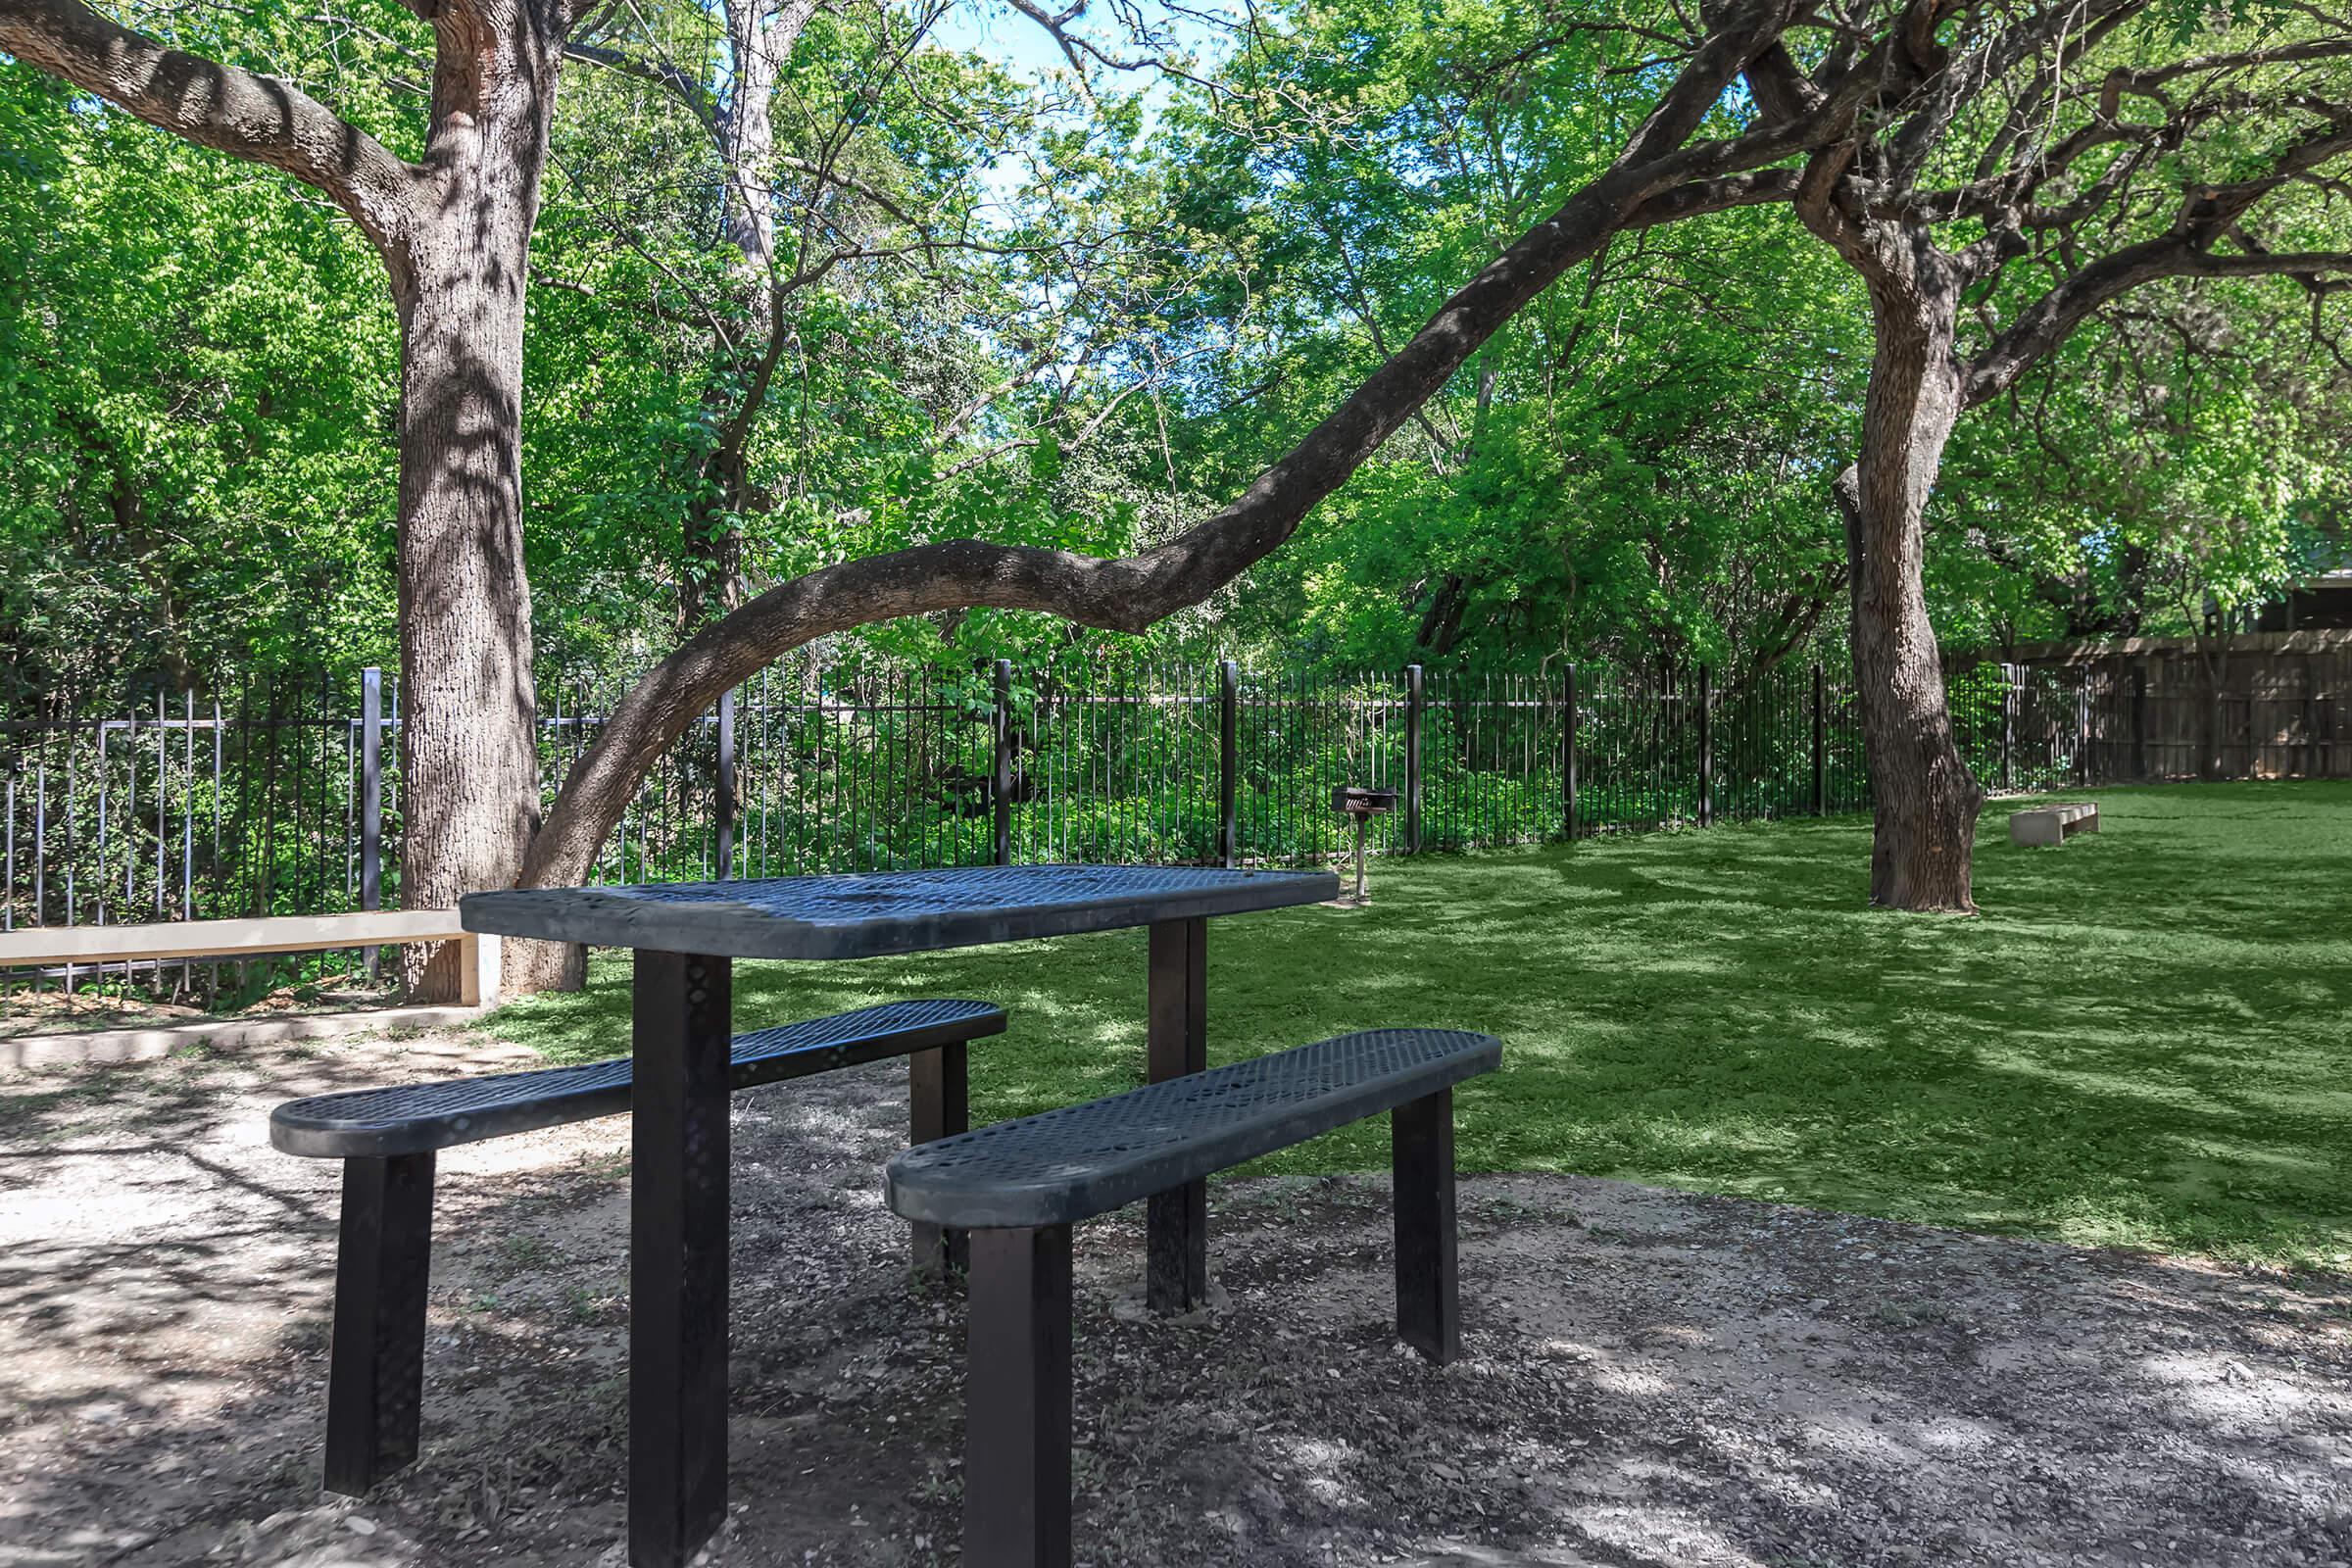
[[282, 797]]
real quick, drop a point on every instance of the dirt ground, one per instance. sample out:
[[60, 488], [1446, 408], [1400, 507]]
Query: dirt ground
[[1652, 1378]]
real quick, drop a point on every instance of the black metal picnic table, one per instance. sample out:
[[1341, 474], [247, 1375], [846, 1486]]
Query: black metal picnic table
[[685, 938]]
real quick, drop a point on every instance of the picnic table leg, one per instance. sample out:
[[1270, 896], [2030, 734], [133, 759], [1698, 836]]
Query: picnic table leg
[[1429, 1313], [375, 1366], [1016, 1445], [1176, 1221], [678, 1257], [938, 1104]]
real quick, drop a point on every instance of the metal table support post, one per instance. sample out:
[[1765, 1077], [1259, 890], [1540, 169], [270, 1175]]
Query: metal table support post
[[938, 1098], [1429, 1310], [678, 1256], [1176, 1044], [376, 1363], [1017, 1443]]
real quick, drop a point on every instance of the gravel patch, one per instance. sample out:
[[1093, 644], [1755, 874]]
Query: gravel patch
[[1651, 1377]]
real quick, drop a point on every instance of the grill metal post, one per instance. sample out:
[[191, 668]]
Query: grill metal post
[[678, 1256], [1176, 1221]]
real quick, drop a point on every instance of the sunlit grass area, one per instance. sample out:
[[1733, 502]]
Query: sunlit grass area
[[2145, 1041]]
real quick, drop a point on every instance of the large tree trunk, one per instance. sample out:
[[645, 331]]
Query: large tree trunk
[[1926, 799], [468, 744]]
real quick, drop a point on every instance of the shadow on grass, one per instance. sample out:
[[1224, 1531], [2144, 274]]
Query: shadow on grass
[[2141, 1042]]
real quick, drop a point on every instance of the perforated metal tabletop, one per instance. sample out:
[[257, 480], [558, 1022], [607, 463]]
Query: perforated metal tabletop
[[866, 914]]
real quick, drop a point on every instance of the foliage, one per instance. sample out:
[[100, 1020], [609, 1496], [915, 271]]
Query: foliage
[[2186, 458], [1635, 464], [1028, 311], [196, 379]]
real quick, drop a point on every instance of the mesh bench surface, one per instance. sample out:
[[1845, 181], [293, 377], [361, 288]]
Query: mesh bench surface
[[412, 1118], [1071, 1165]]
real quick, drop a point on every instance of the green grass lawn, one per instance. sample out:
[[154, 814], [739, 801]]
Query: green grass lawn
[[2145, 1040]]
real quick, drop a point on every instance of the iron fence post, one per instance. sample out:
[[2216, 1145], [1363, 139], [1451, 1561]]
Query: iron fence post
[[2083, 727], [1706, 747], [371, 798], [2009, 688], [1568, 753], [1412, 758], [726, 801], [2210, 765], [2327, 737], [2311, 716], [1229, 693], [1820, 748], [1001, 773]]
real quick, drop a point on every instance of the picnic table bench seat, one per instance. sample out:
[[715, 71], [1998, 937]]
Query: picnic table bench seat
[[1019, 1186], [387, 1139], [412, 1119]]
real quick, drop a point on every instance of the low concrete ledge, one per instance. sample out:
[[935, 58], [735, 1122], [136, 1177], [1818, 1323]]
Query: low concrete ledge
[[54, 947], [2049, 826], [109, 1045]]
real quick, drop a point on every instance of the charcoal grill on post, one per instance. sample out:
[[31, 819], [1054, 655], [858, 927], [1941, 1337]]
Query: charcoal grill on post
[[1363, 804]]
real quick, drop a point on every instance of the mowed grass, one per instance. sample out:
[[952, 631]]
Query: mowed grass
[[2145, 1041]]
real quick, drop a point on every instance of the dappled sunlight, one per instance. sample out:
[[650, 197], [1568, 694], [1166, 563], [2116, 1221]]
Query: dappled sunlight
[[2222, 1391], [2143, 1042]]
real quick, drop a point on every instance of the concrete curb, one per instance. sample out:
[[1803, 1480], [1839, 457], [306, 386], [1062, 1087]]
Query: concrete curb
[[112, 1046]]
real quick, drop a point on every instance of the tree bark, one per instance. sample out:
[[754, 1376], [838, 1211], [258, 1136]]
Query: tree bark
[[469, 741], [1926, 799]]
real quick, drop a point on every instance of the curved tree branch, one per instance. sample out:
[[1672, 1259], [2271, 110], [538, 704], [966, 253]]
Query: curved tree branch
[[2207, 214], [2046, 323], [1657, 179], [260, 118], [691, 94]]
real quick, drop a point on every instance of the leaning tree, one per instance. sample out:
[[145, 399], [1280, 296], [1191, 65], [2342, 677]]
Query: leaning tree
[[2030, 166], [453, 227]]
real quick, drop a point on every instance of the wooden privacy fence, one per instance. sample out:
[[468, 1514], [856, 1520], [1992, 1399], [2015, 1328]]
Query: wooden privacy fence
[[2264, 704]]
